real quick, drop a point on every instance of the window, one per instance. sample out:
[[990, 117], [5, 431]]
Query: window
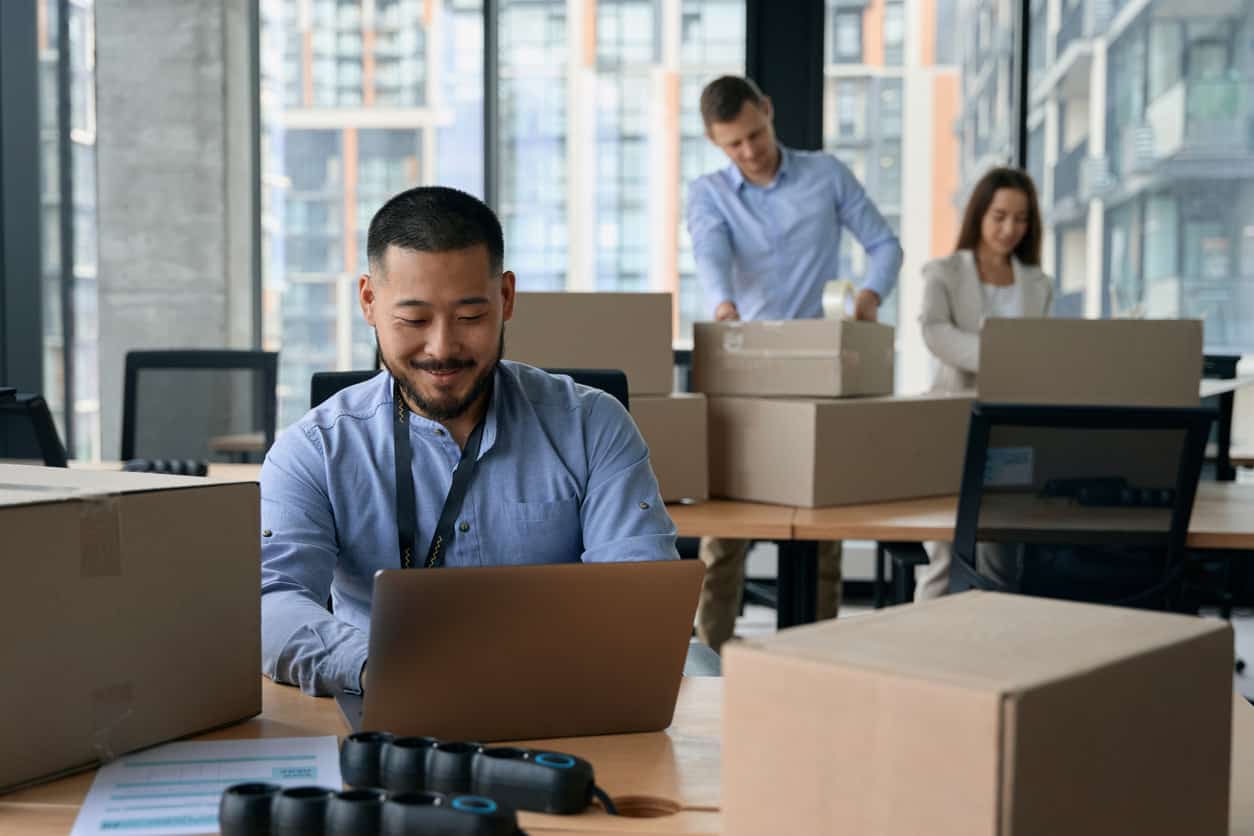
[[1173, 175], [601, 135], [918, 128], [846, 41], [71, 377], [894, 33], [417, 67]]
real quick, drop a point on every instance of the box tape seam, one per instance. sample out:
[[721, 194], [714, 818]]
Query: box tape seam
[[100, 548]]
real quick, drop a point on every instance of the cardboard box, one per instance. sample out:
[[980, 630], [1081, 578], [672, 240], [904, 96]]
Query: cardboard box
[[814, 452], [674, 428], [132, 614], [628, 331], [1112, 362], [981, 715], [822, 358]]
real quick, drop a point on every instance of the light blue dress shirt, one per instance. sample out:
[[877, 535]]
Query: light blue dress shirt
[[563, 476], [770, 249]]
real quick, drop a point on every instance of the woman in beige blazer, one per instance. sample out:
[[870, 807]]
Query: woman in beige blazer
[[993, 272]]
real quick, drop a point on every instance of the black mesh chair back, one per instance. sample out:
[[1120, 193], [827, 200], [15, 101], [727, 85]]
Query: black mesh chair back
[[1079, 502], [611, 381], [27, 431], [199, 404]]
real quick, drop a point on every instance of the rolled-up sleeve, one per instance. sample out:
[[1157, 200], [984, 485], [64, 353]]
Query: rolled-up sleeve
[[622, 513], [711, 245], [860, 216], [302, 642]]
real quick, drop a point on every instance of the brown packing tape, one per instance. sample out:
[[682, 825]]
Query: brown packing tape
[[100, 548], [111, 707]]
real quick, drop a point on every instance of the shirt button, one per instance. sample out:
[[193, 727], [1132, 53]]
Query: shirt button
[[644, 506], [439, 431], [267, 533], [463, 526]]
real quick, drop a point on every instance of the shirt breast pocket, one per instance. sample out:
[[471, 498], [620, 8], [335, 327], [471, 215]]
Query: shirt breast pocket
[[548, 531]]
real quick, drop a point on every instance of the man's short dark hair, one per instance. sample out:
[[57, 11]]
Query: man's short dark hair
[[435, 219], [723, 98]]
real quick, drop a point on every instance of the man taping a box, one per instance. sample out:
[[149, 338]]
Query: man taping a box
[[766, 238], [451, 456]]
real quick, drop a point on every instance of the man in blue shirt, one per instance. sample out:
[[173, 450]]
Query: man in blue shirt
[[766, 238], [560, 474]]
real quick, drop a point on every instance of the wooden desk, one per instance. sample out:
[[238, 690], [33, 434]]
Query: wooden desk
[[1223, 518], [726, 518], [680, 764], [677, 768]]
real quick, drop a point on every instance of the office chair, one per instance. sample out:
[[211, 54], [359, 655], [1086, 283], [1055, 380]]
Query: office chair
[[1079, 502], [27, 431], [1221, 367], [611, 381], [192, 404]]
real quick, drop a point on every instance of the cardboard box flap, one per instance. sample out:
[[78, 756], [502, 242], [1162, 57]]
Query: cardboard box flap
[[1004, 643], [31, 485]]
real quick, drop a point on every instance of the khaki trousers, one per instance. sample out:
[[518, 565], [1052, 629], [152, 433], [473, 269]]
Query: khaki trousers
[[725, 580]]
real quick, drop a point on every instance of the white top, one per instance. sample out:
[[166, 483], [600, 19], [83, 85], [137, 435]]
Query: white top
[[1002, 301]]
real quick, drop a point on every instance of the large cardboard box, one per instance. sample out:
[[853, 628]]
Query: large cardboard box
[[822, 358], [1112, 362], [816, 452], [628, 331], [981, 715], [132, 614], [674, 428]]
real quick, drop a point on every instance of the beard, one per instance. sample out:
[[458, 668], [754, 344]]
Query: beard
[[446, 408]]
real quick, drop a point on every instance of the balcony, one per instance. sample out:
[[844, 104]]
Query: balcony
[[1201, 118], [1087, 19]]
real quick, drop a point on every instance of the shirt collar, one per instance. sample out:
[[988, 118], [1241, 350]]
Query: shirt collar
[[490, 421], [738, 178]]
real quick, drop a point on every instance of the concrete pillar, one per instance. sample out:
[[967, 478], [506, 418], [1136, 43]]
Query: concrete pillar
[[178, 231]]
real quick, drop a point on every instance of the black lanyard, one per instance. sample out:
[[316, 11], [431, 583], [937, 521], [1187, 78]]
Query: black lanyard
[[407, 504]]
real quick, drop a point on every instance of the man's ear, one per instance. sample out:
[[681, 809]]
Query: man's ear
[[365, 296], [507, 295], [767, 108]]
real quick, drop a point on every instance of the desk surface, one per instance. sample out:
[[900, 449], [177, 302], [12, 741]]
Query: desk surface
[[1223, 518], [680, 764], [1213, 386], [726, 518]]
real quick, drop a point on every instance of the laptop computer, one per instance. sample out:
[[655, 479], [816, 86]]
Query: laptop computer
[[527, 652]]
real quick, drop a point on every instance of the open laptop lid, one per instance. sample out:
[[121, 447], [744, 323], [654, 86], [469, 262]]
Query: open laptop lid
[[524, 652]]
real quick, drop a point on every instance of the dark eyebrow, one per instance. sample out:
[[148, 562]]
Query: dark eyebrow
[[418, 303]]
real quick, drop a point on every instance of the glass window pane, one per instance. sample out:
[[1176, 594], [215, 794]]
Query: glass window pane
[[1173, 178], [417, 67], [940, 111], [600, 135], [72, 309]]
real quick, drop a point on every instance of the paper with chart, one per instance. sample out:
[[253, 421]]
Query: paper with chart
[[175, 788]]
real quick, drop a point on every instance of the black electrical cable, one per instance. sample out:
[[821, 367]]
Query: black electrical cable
[[606, 801]]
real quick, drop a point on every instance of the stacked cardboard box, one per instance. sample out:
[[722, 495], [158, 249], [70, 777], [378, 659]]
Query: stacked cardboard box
[[631, 332], [801, 413]]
